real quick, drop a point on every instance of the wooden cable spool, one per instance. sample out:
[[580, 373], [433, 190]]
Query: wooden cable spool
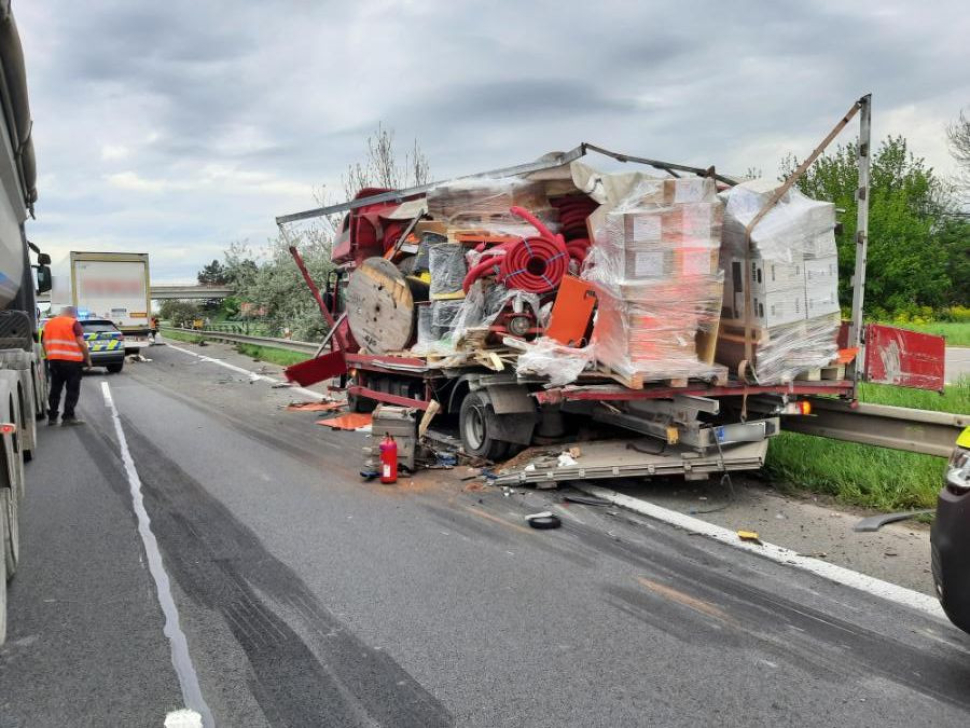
[[381, 306]]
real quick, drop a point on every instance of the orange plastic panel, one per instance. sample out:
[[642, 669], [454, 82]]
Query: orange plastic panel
[[572, 312]]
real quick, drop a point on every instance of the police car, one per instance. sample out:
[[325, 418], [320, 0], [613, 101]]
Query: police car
[[950, 537], [106, 343]]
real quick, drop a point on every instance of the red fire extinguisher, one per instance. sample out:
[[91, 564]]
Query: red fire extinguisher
[[388, 459]]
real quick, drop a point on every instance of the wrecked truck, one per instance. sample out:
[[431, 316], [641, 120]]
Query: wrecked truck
[[689, 314]]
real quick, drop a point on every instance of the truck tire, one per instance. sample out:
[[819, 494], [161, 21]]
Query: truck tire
[[11, 530], [476, 422], [359, 404], [115, 368]]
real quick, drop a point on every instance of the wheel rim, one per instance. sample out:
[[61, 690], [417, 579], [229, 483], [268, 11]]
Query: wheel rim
[[475, 427]]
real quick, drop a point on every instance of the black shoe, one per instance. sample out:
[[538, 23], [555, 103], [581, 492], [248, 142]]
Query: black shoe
[[71, 421], [51, 421]]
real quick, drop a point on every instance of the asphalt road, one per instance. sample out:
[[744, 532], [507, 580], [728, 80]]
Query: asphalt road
[[309, 598], [957, 363]]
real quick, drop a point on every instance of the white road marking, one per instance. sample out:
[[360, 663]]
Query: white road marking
[[253, 376], [181, 659], [183, 719], [839, 574]]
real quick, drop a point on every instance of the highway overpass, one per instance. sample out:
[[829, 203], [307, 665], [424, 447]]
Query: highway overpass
[[186, 292], [161, 293]]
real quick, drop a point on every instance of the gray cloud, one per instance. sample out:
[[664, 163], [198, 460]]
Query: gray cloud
[[176, 127]]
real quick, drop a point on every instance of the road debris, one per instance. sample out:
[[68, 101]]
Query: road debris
[[314, 406], [566, 460], [586, 500], [349, 421], [750, 537], [543, 520]]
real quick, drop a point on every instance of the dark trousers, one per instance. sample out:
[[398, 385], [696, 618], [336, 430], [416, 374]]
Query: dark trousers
[[64, 373]]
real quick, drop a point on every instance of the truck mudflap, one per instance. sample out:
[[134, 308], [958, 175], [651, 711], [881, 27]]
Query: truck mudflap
[[633, 459]]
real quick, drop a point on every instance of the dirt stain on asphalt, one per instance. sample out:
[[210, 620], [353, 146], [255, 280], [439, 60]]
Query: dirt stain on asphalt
[[674, 595]]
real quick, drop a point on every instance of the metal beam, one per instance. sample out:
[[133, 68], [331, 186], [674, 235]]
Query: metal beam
[[548, 161], [302, 347], [861, 235], [896, 428], [161, 293]]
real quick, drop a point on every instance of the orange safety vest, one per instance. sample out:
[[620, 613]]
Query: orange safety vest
[[60, 342]]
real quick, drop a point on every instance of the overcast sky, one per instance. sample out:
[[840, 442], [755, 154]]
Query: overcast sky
[[177, 127]]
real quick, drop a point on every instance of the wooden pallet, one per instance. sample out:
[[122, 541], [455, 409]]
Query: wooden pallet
[[823, 374], [638, 380]]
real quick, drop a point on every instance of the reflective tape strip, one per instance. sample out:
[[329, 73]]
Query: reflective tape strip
[[65, 354], [62, 342]]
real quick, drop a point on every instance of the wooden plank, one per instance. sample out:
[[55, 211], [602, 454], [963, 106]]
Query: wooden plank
[[836, 373], [811, 375]]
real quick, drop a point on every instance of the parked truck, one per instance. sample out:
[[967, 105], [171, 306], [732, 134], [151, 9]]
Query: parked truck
[[111, 286], [22, 383]]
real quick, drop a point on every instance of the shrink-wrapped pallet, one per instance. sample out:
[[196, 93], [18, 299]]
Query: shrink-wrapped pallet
[[655, 262], [780, 311]]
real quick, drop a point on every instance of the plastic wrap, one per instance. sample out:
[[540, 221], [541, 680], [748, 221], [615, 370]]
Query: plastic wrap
[[448, 269], [791, 267], [425, 331], [785, 351], [550, 360], [484, 203], [655, 263], [443, 315]]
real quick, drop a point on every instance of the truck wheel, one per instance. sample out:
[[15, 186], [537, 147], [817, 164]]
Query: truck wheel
[[115, 368], [362, 405], [11, 531], [476, 422]]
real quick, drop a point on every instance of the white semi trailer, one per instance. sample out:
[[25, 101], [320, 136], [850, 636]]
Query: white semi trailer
[[113, 286], [22, 381]]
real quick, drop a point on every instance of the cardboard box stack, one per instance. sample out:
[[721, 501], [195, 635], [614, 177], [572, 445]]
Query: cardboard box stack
[[792, 270], [655, 261]]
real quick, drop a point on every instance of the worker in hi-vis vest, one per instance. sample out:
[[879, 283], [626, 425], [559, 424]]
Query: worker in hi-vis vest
[[67, 355]]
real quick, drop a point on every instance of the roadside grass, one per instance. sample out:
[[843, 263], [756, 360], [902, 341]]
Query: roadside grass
[[181, 336], [956, 333], [282, 357], [863, 475]]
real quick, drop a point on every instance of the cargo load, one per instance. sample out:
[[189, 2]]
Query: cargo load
[[780, 312], [491, 271]]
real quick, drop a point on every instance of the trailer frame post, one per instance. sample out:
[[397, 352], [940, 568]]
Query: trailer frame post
[[856, 338]]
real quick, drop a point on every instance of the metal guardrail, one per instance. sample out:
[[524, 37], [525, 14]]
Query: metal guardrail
[[896, 428], [303, 347]]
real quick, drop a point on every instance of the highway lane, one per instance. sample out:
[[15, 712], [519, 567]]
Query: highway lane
[[310, 598]]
